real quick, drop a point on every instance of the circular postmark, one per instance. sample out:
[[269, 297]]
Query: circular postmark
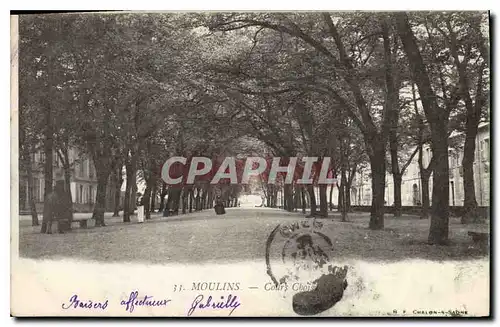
[[296, 254], [298, 261]]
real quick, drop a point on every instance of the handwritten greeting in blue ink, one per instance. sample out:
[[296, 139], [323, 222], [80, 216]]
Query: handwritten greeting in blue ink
[[135, 301], [210, 303], [75, 302]]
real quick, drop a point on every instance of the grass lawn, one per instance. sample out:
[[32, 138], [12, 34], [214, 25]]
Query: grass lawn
[[241, 235]]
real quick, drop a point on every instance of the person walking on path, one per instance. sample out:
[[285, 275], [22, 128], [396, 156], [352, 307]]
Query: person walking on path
[[140, 208], [219, 206]]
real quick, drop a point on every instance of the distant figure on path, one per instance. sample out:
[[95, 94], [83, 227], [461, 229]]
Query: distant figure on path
[[140, 208], [219, 206]]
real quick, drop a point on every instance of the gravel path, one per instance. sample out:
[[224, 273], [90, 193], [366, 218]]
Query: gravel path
[[239, 235]]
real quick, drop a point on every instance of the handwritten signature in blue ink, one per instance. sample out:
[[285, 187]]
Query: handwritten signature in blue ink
[[75, 302], [209, 303], [147, 301]]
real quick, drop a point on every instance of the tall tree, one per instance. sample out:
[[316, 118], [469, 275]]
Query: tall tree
[[469, 50], [437, 115]]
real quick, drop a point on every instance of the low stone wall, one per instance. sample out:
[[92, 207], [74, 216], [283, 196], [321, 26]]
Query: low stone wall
[[77, 207], [455, 211]]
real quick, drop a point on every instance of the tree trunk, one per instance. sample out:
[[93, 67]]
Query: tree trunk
[[291, 202], [31, 197], [67, 183], [288, 197], [474, 109], [396, 173], [204, 198], [168, 204], [63, 156], [303, 199], [345, 195], [397, 179], [285, 199], [48, 148], [128, 204], [340, 197], [154, 191], [146, 200], [424, 177], [100, 203], [184, 200], [198, 199], [163, 193], [438, 118], [425, 173], [268, 196], [126, 200], [148, 194], [470, 203], [323, 202], [438, 233], [271, 196], [312, 196], [210, 198], [377, 162], [270, 202], [392, 96], [176, 198], [191, 199], [133, 198], [118, 190], [48, 170]]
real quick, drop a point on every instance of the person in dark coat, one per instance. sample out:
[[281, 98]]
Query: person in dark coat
[[219, 206], [57, 207]]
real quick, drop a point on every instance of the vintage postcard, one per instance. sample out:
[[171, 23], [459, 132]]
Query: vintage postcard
[[250, 164]]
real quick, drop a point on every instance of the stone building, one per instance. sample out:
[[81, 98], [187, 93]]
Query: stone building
[[411, 185], [83, 182]]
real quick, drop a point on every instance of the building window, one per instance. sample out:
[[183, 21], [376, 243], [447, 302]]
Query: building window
[[82, 170], [453, 158], [452, 190], [90, 195], [80, 199], [427, 157], [485, 150], [416, 195], [36, 190], [486, 167], [55, 159]]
